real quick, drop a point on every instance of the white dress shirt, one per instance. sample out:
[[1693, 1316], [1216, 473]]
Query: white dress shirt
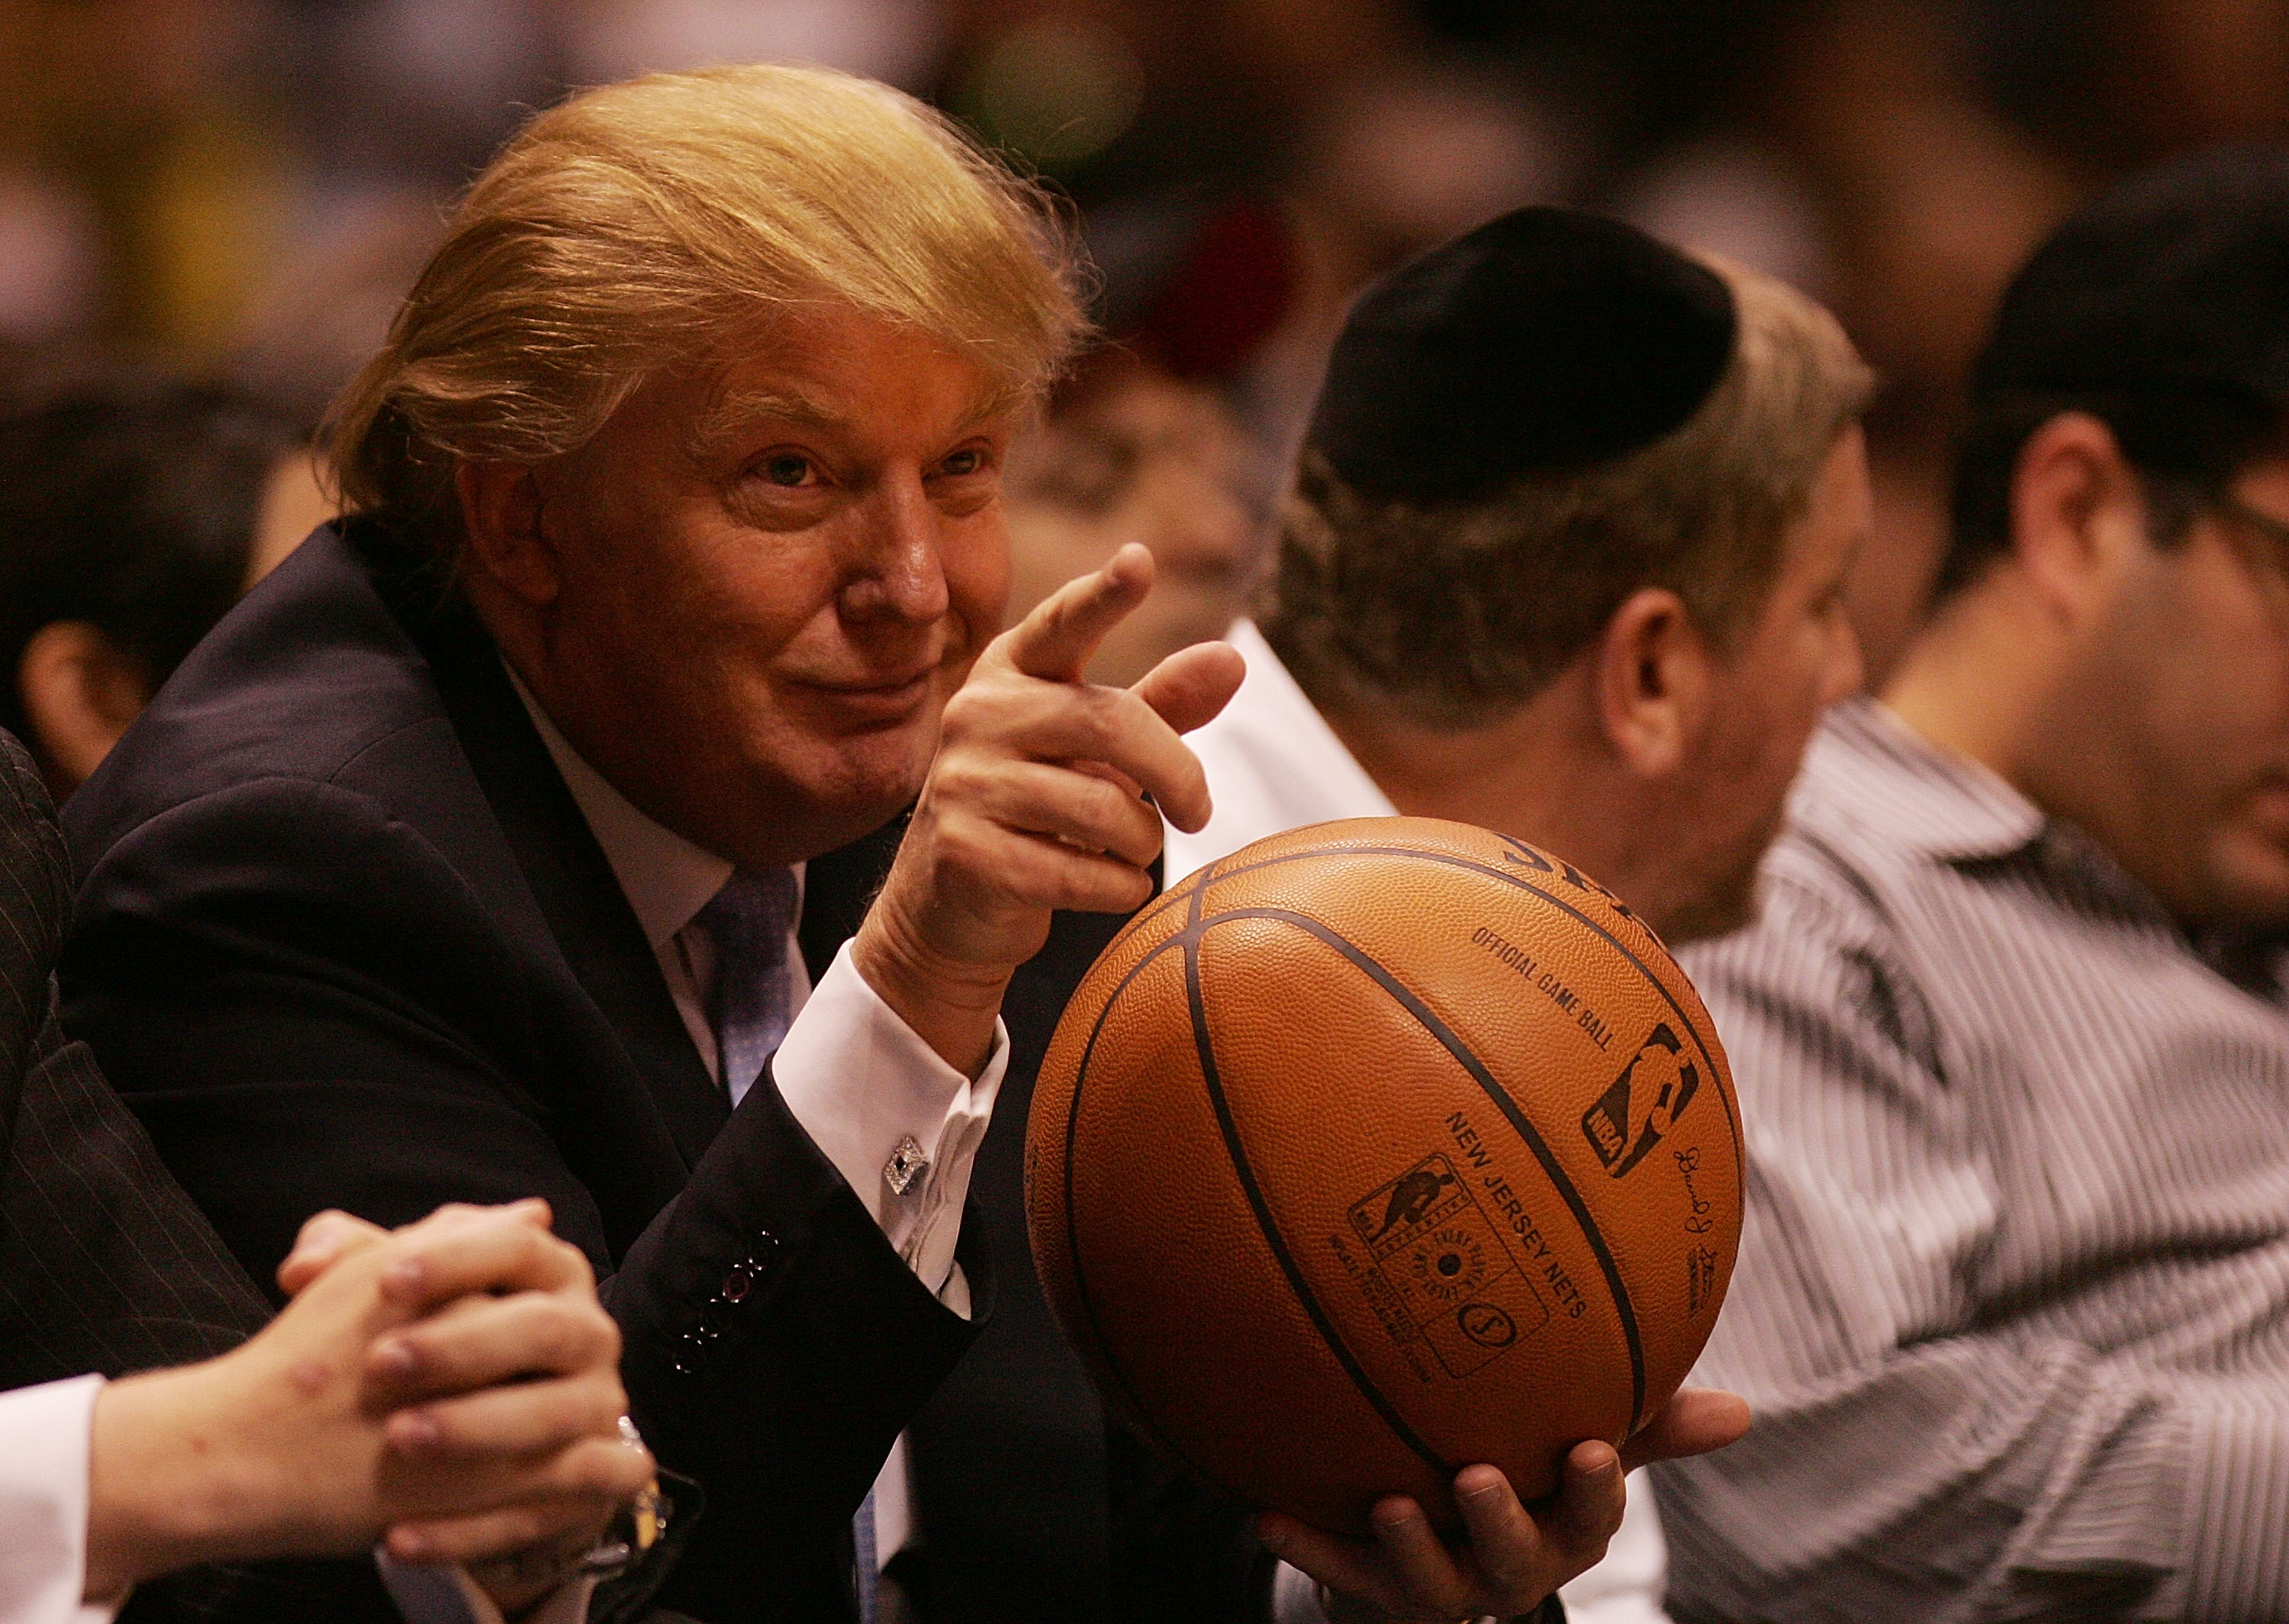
[[1274, 764], [851, 1072], [43, 1453]]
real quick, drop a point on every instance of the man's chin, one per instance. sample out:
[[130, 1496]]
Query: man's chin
[[869, 782]]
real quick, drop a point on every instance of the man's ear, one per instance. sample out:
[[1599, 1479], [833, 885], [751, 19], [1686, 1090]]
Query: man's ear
[[500, 514], [2078, 514], [80, 691], [1654, 677]]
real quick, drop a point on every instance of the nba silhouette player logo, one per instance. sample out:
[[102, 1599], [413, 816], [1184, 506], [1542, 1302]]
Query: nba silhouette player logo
[[1411, 1200], [1649, 1096]]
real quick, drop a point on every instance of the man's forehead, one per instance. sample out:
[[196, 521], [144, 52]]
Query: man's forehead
[[784, 383]]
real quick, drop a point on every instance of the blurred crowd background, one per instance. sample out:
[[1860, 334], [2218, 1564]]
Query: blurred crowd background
[[243, 188]]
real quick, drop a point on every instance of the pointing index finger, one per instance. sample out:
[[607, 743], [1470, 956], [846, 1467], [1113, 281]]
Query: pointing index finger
[[1055, 640]]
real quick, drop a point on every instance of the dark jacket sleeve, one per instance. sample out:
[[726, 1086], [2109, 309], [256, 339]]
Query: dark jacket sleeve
[[308, 1006]]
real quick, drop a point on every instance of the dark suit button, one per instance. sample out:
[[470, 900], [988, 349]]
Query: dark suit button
[[765, 1255], [736, 1284]]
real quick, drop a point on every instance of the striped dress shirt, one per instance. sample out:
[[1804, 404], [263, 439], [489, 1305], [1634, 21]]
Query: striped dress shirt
[[2013, 1299]]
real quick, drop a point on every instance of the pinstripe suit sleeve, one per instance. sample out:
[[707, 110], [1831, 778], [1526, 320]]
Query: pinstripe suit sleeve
[[105, 1265], [1908, 1460]]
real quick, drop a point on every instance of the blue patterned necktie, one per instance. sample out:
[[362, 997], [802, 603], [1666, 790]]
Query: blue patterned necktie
[[748, 923]]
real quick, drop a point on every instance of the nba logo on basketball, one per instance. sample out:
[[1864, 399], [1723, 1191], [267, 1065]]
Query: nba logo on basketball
[[1652, 1092]]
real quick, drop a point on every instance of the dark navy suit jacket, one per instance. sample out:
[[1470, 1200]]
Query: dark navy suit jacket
[[344, 939]]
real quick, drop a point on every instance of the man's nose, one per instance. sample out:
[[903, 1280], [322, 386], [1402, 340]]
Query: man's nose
[[899, 573]]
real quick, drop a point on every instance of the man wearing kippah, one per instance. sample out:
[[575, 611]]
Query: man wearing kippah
[[1564, 559], [2012, 1299]]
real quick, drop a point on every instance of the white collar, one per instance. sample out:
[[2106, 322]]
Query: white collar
[[1272, 763], [664, 877]]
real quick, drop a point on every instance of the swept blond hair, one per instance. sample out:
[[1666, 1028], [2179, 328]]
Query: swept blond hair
[[638, 228], [1454, 613]]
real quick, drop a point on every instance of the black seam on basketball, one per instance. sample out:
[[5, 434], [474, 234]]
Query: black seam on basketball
[[1495, 1091], [1270, 1229], [1520, 882], [1072, 1235], [1155, 909]]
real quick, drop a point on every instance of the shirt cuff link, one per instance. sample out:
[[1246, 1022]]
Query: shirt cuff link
[[907, 1163]]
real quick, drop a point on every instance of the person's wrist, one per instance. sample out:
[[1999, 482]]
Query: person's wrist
[[950, 1004], [170, 1481]]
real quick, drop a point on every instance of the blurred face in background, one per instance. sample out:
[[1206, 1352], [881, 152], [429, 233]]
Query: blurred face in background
[[1132, 453], [2186, 686]]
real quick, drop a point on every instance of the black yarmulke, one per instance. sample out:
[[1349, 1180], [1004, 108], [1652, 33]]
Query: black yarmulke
[[1545, 340]]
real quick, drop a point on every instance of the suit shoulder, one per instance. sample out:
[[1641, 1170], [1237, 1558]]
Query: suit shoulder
[[306, 676]]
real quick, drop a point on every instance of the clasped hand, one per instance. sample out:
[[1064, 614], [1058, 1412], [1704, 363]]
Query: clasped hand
[[452, 1387]]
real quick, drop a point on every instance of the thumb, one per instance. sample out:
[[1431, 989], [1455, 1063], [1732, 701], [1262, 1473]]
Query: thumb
[[1192, 686], [1698, 1420]]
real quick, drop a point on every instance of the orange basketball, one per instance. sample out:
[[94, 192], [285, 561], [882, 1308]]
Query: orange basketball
[[1379, 1149]]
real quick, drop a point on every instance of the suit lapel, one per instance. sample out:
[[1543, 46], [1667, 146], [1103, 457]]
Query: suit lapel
[[570, 878]]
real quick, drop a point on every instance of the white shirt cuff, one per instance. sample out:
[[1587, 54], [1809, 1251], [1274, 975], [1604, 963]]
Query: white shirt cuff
[[1295, 1597], [44, 1458], [861, 1083]]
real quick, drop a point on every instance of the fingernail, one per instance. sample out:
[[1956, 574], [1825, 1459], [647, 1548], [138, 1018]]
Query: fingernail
[[1484, 1492], [395, 1358]]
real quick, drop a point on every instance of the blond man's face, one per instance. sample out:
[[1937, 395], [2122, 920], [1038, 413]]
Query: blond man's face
[[775, 576]]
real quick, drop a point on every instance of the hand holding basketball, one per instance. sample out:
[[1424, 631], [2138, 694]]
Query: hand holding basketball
[[1513, 1557], [1035, 802], [1385, 1172]]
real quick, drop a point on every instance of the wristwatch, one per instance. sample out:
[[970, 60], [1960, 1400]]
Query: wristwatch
[[634, 1529]]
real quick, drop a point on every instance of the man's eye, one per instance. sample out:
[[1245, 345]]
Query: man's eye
[[962, 462], [787, 468]]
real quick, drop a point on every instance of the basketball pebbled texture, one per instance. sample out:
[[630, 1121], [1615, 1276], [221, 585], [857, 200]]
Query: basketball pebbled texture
[[1379, 1149]]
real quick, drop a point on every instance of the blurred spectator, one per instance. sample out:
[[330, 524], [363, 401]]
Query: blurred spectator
[[135, 511], [1149, 439]]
